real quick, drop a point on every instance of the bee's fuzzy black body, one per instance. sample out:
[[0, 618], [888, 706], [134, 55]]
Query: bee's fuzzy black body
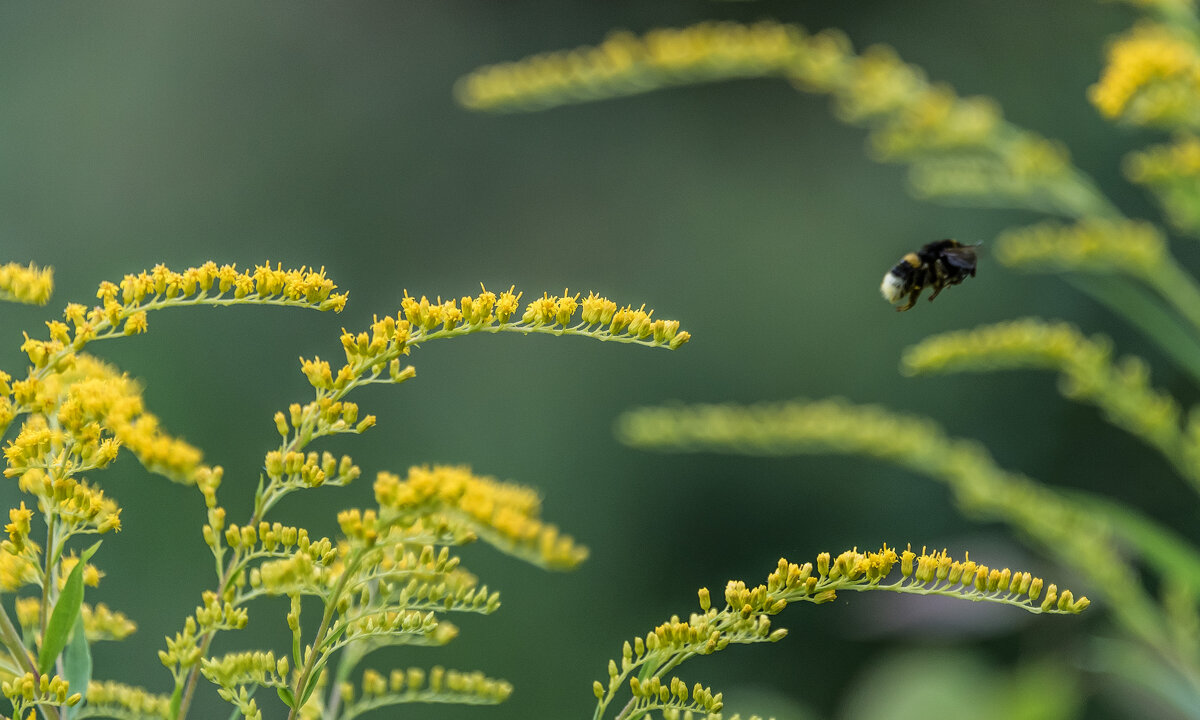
[[937, 265]]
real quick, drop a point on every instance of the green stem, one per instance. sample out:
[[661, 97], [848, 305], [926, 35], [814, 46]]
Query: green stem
[[1146, 313], [1179, 289], [326, 617]]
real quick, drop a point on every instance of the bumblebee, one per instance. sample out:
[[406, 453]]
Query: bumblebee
[[937, 265]]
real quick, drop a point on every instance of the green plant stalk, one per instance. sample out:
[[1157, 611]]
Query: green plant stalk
[[326, 617], [1178, 288], [235, 564], [1144, 312], [263, 501]]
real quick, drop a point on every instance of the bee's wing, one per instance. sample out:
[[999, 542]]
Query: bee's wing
[[962, 257]]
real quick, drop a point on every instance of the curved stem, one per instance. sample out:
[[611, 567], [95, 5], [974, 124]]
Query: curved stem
[[1145, 313], [1179, 289]]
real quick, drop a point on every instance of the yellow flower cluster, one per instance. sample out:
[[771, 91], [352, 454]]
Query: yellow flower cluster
[[313, 470], [925, 574], [430, 580], [1165, 162], [80, 505], [184, 648], [124, 306], [675, 695], [27, 689], [599, 318], [1132, 247], [746, 615], [625, 64], [674, 640], [1075, 534], [26, 284], [939, 574], [90, 399], [1027, 171], [367, 354], [504, 514], [1088, 374], [450, 594], [18, 529], [16, 570], [308, 570], [1172, 172], [915, 117], [245, 668], [99, 622], [118, 700], [1152, 78], [210, 283], [958, 147], [91, 574], [37, 449], [418, 685], [391, 624], [274, 537]]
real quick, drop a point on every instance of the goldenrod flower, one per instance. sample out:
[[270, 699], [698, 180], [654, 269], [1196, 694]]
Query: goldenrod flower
[[118, 700], [553, 314], [957, 147], [100, 623], [1172, 172], [1088, 373], [16, 570], [1152, 78], [418, 685], [26, 284], [746, 617], [19, 527], [1073, 532], [1131, 247], [504, 514], [625, 64], [29, 690], [252, 669]]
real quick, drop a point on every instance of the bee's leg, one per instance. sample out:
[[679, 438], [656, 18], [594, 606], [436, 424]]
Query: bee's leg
[[940, 279], [912, 299]]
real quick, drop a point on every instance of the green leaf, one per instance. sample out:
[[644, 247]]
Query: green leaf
[[78, 663], [1146, 314], [313, 677], [62, 618], [286, 696]]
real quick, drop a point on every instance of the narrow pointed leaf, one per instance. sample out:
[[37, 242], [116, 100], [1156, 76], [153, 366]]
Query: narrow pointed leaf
[[77, 663], [62, 618], [286, 696]]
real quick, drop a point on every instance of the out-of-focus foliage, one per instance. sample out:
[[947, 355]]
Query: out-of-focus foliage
[[961, 150]]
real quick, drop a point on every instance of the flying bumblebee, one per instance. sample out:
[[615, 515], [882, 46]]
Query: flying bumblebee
[[937, 265]]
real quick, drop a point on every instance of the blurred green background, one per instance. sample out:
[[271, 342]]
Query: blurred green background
[[134, 133]]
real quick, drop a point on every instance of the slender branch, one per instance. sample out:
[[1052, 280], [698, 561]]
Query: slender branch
[[326, 617]]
